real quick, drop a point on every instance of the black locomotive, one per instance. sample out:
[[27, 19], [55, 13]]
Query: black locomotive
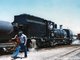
[[44, 32]]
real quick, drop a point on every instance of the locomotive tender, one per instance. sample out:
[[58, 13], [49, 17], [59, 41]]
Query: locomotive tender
[[44, 32]]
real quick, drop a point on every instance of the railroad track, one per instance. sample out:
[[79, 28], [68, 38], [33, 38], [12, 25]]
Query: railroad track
[[56, 47], [70, 52]]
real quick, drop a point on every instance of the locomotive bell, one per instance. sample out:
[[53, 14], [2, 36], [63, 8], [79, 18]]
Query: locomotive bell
[[5, 27]]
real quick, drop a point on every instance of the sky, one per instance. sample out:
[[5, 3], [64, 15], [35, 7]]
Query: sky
[[65, 12]]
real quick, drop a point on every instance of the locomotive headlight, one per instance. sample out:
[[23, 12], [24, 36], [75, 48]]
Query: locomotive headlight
[[15, 24], [50, 26], [52, 34]]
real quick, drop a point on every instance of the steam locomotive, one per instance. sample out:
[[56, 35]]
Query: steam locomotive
[[43, 31]]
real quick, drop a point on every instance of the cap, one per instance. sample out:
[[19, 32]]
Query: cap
[[20, 32]]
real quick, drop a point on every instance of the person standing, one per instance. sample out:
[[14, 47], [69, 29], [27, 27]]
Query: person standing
[[22, 40]]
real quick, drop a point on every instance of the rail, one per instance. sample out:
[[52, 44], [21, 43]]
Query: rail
[[6, 45]]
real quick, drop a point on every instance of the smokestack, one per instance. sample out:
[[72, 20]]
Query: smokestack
[[55, 26], [61, 26]]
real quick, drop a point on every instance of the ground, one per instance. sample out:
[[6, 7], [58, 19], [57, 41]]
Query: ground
[[67, 52]]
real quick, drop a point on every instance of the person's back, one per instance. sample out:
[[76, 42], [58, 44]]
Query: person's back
[[23, 38]]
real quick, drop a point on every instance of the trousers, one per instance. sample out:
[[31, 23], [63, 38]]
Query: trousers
[[17, 50]]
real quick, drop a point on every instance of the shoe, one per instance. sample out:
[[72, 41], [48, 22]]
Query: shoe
[[14, 57], [25, 56]]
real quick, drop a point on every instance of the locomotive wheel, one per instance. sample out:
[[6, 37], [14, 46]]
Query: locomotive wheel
[[68, 42], [51, 43]]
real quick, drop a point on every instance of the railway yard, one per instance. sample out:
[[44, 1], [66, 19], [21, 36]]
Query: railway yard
[[39, 30], [47, 41], [60, 52]]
